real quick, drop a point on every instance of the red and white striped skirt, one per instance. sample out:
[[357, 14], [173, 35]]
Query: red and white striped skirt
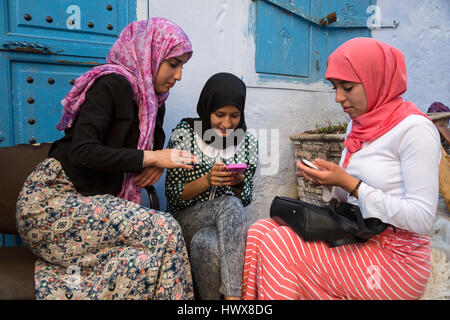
[[280, 265]]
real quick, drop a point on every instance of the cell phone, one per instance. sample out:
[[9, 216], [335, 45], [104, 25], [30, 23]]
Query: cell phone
[[236, 167], [309, 164]]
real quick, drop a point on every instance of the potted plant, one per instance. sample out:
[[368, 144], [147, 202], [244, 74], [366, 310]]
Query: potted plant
[[323, 142], [327, 143]]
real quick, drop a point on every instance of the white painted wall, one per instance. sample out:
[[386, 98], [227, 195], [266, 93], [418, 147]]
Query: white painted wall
[[222, 38], [424, 37]]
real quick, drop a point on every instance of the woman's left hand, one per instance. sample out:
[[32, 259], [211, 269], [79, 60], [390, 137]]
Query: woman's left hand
[[329, 174], [148, 176], [238, 178]]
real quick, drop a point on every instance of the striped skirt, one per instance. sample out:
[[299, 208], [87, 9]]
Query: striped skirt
[[280, 265]]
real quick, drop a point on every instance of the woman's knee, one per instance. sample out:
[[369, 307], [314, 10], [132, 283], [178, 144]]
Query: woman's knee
[[262, 226], [232, 201], [232, 206], [148, 224], [288, 241], [279, 234], [258, 230], [206, 240], [167, 220]]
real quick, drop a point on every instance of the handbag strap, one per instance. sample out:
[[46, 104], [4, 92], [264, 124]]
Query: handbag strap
[[349, 217]]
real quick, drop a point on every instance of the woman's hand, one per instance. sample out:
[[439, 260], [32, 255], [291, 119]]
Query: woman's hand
[[169, 158], [330, 174], [220, 176], [148, 176], [238, 178], [217, 177]]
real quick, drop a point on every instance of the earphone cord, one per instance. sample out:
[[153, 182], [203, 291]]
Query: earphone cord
[[213, 190]]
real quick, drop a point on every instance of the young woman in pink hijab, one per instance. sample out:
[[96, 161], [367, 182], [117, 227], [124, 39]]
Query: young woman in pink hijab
[[389, 168], [79, 211]]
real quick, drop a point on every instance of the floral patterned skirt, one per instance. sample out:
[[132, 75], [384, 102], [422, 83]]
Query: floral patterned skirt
[[99, 247]]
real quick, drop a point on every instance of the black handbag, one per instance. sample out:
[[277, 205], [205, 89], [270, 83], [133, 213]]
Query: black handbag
[[337, 224]]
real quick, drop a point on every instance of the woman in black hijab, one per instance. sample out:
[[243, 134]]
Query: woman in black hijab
[[222, 89], [210, 197]]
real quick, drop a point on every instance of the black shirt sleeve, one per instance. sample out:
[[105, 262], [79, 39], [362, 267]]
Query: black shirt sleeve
[[102, 143], [104, 128]]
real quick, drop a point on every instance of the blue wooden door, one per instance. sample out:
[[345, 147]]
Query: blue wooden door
[[44, 47], [292, 40], [284, 39]]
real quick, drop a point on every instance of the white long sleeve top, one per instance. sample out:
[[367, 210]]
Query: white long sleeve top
[[400, 175]]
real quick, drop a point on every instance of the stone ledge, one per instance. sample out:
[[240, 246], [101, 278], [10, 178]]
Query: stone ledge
[[317, 137]]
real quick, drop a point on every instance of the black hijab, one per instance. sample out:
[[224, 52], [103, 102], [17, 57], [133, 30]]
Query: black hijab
[[221, 89]]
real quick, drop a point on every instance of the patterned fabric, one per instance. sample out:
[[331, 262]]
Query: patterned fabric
[[184, 138], [204, 255], [280, 265], [99, 247], [226, 214], [137, 54]]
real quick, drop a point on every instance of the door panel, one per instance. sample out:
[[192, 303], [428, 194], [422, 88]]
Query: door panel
[[57, 39], [38, 89], [293, 43], [283, 41], [64, 27]]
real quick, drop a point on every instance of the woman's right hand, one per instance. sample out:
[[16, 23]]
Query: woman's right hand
[[219, 176], [169, 158], [329, 174]]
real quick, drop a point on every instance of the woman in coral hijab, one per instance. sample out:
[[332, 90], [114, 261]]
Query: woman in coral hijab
[[389, 168], [79, 210]]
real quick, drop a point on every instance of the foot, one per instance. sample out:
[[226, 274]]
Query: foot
[[231, 298]]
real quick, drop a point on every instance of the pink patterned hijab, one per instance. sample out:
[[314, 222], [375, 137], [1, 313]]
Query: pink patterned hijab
[[381, 70], [137, 54]]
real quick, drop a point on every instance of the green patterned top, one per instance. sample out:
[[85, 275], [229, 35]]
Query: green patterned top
[[184, 138]]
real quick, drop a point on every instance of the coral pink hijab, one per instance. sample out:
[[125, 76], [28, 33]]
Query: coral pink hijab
[[381, 70], [137, 54]]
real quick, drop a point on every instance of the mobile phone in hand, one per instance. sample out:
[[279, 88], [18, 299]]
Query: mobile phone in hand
[[309, 164], [236, 167]]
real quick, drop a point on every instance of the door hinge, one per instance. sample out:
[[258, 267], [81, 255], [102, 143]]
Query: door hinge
[[24, 46]]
